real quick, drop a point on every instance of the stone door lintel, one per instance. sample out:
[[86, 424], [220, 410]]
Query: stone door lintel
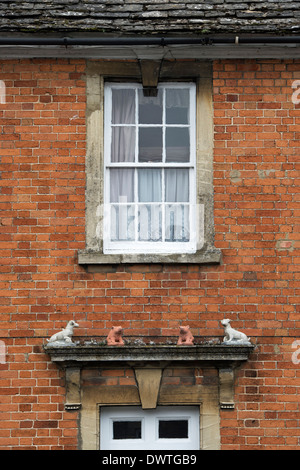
[[148, 363]]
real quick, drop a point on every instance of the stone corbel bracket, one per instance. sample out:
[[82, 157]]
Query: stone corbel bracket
[[148, 363], [73, 399]]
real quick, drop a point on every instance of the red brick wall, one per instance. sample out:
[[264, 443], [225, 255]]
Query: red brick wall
[[42, 156], [257, 162]]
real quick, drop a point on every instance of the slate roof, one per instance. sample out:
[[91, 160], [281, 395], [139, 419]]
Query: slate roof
[[159, 17]]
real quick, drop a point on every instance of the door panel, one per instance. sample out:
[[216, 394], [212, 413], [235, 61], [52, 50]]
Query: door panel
[[164, 428]]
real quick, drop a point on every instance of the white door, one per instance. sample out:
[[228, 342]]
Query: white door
[[164, 428]]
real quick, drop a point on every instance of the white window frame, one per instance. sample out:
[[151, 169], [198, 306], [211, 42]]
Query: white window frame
[[136, 246], [150, 421]]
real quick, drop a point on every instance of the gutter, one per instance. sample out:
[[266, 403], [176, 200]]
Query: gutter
[[145, 41]]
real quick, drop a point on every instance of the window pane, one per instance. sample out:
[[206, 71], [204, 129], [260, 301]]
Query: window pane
[[121, 185], [150, 222], [123, 106], [127, 429], [177, 106], [150, 144], [177, 185], [177, 144], [123, 144], [122, 222], [173, 429], [177, 223], [149, 185], [150, 177], [150, 108]]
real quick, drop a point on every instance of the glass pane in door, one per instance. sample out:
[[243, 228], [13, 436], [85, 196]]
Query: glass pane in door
[[173, 429], [127, 430]]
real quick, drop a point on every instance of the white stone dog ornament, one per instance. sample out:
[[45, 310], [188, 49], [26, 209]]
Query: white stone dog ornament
[[232, 335], [64, 336]]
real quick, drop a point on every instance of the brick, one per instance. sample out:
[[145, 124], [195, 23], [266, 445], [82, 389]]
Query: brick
[[42, 227], [45, 424]]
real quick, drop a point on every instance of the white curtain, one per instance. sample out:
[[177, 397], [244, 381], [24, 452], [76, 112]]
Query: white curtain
[[122, 185], [123, 144], [176, 197], [122, 211], [155, 186], [150, 185], [176, 215], [123, 106], [177, 185], [123, 136]]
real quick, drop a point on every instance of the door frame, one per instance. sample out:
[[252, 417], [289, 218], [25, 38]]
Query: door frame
[[202, 395]]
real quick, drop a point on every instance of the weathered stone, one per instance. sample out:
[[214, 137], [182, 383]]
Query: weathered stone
[[227, 355], [158, 16]]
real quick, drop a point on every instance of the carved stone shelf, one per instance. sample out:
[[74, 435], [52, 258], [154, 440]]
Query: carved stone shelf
[[148, 363], [218, 355]]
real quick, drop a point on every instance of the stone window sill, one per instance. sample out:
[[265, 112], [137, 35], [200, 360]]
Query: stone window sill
[[208, 256]]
